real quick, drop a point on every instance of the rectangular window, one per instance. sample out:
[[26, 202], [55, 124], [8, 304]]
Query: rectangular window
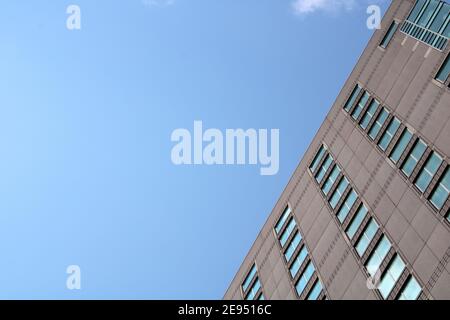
[[381, 119], [389, 134], [425, 18], [249, 278], [378, 255], [315, 291], [366, 237], [440, 20], [401, 145], [444, 71], [331, 180], [287, 232], [360, 106], [337, 195], [368, 115], [304, 278], [293, 246], [251, 295], [324, 168], [317, 159], [352, 98], [428, 171], [298, 261], [391, 276], [356, 221], [282, 220], [347, 206], [414, 157], [440, 194], [389, 34], [411, 290]]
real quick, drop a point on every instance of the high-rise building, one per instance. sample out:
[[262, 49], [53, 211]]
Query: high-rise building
[[366, 213]]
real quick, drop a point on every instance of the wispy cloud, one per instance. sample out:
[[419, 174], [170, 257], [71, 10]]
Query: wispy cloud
[[303, 7], [158, 3]]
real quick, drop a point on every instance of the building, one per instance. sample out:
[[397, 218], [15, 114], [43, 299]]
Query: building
[[366, 213]]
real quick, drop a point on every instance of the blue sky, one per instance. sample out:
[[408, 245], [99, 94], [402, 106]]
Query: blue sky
[[85, 122]]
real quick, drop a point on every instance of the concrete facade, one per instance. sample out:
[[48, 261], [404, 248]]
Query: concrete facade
[[401, 77]]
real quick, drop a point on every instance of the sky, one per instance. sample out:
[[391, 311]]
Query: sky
[[86, 118]]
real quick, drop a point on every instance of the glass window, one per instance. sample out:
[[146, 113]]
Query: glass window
[[428, 171], [324, 168], [389, 34], [287, 232], [317, 159], [347, 206], [249, 278], [282, 220], [428, 13], [378, 255], [440, 19], [315, 291], [445, 70], [293, 246], [371, 110], [298, 261], [414, 157], [261, 297], [411, 290], [381, 119], [366, 237], [416, 10], [389, 134], [401, 145], [352, 98], [253, 291], [356, 221], [360, 106], [440, 194], [304, 278], [338, 192], [391, 276], [331, 180]]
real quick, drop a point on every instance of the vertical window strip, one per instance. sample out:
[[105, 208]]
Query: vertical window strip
[[366, 237], [389, 134], [318, 157], [380, 252], [389, 34], [347, 206], [352, 98], [411, 290], [391, 276], [282, 220], [414, 157], [368, 115], [379, 122], [356, 221], [440, 195], [428, 171], [401, 145], [249, 278]]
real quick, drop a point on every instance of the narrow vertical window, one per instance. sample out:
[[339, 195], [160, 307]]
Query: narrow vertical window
[[411, 290], [428, 171], [282, 220], [391, 276], [401, 145], [414, 157], [389, 34], [347, 206], [366, 237], [378, 255], [352, 98], [356, 221], [371, 110], [444, 71], [338, 192], [389, 134], [317, 159], [381, 119], [360, 106], [440, 194]]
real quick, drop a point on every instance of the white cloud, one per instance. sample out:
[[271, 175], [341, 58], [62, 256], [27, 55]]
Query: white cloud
[[158, 3], [303, 7]]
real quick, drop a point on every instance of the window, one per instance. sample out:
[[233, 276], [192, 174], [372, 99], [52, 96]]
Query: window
[[347, 206], [440, 194], [356, 221], [338, 192], [317, 158], [401, 145], [378, 255], [389, 34], [287, 232], [261, 297], [304, 278], [371, 110], [414, 157], [292, 246], [249, 278], [428, 22], [298, 261], [315, 291], [391, 276], [428, 171], [444, 71], [381, 119], [366, 237], [251, 295], [360, 106], [411, 290], [331, 180], [324, 168], [282, 220], [352, 98], [389, 134]]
